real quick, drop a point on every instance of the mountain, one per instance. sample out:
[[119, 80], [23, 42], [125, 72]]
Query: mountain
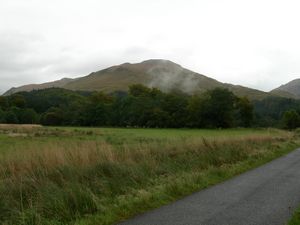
[[29, 87], [291, 88], [162, 74]]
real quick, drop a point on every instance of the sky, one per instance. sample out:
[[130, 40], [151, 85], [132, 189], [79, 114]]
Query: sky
[[254, 43]]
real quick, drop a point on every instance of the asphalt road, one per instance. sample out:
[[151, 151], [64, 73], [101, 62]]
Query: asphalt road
[[267, 195]]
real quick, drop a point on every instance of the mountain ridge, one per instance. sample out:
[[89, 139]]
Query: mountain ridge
[[292, 87], [29, 87], [160, 73]]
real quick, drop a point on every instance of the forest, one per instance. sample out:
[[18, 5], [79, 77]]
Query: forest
[[147, 107]]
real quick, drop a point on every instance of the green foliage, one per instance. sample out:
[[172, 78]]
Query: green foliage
[[295, 220], [11, 117], [145, 107], [17, 100], [42, 100], [2, 116], [175, 108], [28, 116], [195, 107], [216, 108], [221, 107], [291, 119], [139, 90], [245, 112], [98, 114], [3, 103], [269, 111], [54, 116]]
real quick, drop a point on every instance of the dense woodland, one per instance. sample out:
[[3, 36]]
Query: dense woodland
[[148, 107]]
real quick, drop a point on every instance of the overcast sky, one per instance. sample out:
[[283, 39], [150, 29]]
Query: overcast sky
[[254, 43]]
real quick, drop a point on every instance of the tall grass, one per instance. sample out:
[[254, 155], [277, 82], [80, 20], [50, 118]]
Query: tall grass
[[95, 182]]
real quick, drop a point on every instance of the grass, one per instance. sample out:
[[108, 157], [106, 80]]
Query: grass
[[102, 176], [295, 220]]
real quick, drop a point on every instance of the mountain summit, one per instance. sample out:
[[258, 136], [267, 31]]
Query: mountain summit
[[292, 88], [162, 74], [159, 73]]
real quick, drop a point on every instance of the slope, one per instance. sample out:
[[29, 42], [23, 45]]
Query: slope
[[162, 74], [30, 87], [291, 88]]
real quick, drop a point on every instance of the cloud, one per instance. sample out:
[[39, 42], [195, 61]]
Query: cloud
[[233, 41]]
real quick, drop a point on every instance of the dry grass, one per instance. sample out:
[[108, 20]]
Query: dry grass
[[90, 179], [19, 126], [82, 154], [54, 155], [19, 130]]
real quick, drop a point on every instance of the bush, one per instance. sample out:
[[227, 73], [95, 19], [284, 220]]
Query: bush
[[11, 117], [291, 119]]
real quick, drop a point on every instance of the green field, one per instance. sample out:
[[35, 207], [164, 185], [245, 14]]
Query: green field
[[69, 175]]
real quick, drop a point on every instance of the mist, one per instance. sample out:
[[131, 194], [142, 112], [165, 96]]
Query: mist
[[44, 41]]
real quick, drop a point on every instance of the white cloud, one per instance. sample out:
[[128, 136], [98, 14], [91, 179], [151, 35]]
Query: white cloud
[[252, 43]]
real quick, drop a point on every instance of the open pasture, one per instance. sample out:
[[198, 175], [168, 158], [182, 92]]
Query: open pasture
[[68, 175]]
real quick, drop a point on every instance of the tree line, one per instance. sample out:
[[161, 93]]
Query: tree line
[[141, 107]]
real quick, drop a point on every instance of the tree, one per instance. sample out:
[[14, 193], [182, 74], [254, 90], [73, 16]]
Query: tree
[[54, 116], [139, 90], [2, 116], [97, 110], [10, 117], [98, 115], [217, 107], [28, 116], [17, 100], [195, 111], [291, 119], [175, 105], [157, 118], [269, 111], [245, 112], [100, 97], [3, 103]]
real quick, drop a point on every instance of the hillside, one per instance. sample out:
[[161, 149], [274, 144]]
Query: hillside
[[30, 87], [162, 74], [291, 88]]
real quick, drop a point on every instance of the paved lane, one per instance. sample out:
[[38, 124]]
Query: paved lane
[[264, 196]]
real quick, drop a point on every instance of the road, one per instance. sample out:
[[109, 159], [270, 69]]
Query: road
[[267, 195]]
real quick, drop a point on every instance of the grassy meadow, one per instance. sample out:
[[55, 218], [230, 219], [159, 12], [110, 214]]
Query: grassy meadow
[[100, 176]]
